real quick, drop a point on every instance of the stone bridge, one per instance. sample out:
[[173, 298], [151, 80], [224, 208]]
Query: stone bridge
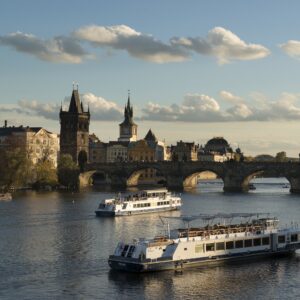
[[235, 175]]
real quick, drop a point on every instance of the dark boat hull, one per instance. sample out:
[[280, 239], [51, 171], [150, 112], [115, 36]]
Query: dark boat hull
[[134, 265]]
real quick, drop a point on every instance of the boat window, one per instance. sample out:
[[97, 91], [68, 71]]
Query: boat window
[[220, 246], [130, 251], [124, 250], [210, 247], [266, 241], [256, 242], [294, 237], [239, 244], [199, 248], [281, 239], [248, 243], [229, 245]]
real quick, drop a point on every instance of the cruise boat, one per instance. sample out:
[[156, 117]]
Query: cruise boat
[[221, 240], [146, 201]]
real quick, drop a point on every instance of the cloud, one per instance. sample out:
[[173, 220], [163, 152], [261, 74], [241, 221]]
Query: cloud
[[228, 96], [291, 48], [224, 45], [194, 108], [202, 108], [60, 49], [122, 37], [101, 109], [219, 42]]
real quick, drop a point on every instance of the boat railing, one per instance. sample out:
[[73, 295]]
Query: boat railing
[[208, 231]]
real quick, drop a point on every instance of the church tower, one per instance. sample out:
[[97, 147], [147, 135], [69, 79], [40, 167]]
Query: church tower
[[128, 129], [74, 128]]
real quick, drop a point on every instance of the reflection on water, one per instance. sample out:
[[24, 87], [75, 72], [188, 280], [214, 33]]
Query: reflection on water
[[53, 247]]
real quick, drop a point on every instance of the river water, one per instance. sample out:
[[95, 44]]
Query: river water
[[53, 247]]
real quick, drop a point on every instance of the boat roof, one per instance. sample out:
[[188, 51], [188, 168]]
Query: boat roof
[[186, 218]]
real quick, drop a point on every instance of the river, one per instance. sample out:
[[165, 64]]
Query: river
[[53, 247]]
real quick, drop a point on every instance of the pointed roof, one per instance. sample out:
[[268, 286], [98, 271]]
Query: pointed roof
[[150, 136], [75, 104], [128, 113]]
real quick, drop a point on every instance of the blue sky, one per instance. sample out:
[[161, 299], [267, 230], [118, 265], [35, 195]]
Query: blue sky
[[195, 69]]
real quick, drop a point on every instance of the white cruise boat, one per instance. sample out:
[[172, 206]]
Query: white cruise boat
[[146, 201], [220, 240]]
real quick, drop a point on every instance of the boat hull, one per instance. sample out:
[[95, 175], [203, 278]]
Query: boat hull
[[106, 213], [121, 264]]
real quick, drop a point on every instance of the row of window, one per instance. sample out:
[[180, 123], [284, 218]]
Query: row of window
[[281, 238], [141, 205], [163, 203], [233, 244]]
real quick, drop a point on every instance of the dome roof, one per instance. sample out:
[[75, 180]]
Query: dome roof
[[218, 144], [217, 141]]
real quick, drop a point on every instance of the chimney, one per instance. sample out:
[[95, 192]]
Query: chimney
[[5, 123]]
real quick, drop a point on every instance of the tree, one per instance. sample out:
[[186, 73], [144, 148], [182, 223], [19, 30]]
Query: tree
[[46, 174], [82, 160], [67, 172], [15, 168], [281, 156]]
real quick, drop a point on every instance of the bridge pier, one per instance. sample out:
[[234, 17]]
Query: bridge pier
[[295, 185], [175, 182], [234, 184]]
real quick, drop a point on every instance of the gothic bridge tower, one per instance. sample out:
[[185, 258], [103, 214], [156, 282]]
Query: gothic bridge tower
[[128, 129], [74, 128]]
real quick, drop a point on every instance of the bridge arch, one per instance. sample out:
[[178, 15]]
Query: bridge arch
[[263, 172], [146, 176], [192, 179]]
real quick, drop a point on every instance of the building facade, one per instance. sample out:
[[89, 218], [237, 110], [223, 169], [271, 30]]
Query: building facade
[[97, 150], [37, 142], [74, 128], [117, 151], [185, 151]]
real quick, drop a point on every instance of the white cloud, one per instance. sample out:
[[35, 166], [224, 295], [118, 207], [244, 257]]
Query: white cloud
[[228, 96], [224, 45], [59, 49], [203, 108], [292, 48], [220, 43], [122, 37], [102, 109]]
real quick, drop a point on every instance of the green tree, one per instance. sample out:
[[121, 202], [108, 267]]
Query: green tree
[[82, 160], [67, 172], [46, 174], [15, 168]]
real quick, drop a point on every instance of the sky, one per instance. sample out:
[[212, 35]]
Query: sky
[[195, 69]]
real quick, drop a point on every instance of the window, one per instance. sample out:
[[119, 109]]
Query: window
[[229, 245], [199, 248], [210, 247], [294, 237], [266, 241], [124, 250], [256, 242], [281, 239], [131, 249], [239, 244], [220, 246], [248, 243]]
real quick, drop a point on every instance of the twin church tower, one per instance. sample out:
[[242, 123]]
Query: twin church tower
[[75, 122]]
